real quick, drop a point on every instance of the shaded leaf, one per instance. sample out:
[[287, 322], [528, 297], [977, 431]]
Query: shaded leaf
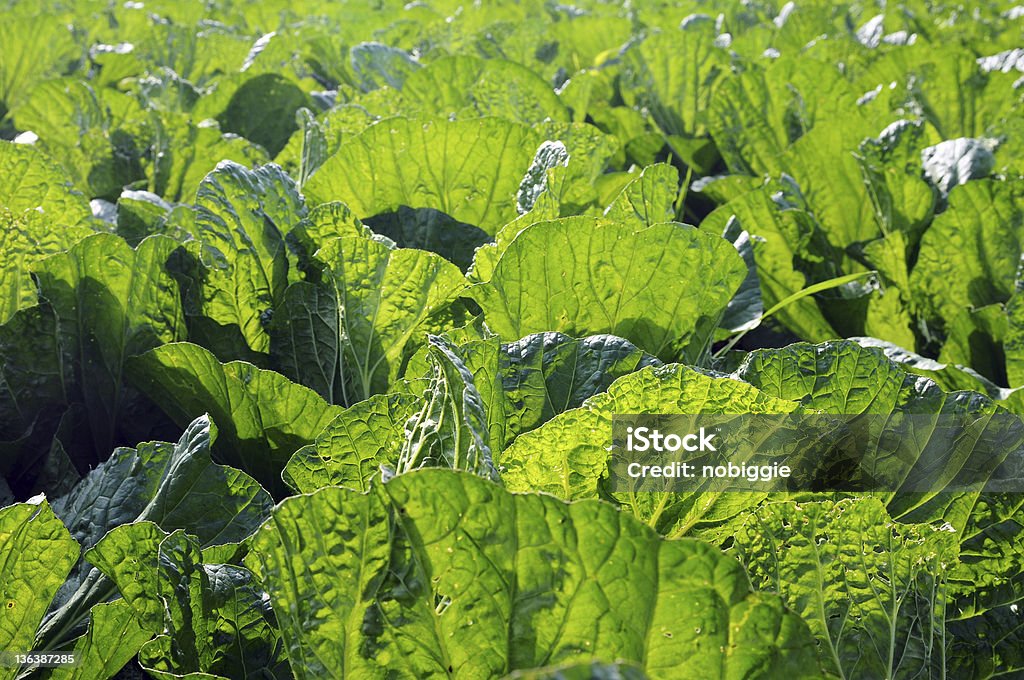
[[262, 416], [263, 111], [429, 229], [346, 337], [111, 303]]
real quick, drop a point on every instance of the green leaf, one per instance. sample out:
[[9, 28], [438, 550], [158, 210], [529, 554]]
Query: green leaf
[[787, 243], [949, 377], [969, 255], [313, 150], [317, 139], [377, 65], [242, 219], [1013, 340], [889, 313], [141, 214], [847, 378], [111, 302], [37, 183], [486, 257], [649, 199], [568, 456], [32, 389], [469, 87], [872, 590], [550, 156], [216, 620], [587, 93], [263, 111], [346, 338], [349, 452], [159, 485], [990, 573], [803, 118], [987, 646], [526, 383], [891, 164], [263, 417], [839, 377], [127, 560], [583, 183], [37, 554], [976, 337], [724, 188], [746, 310], [955, 94], [850, 280], [25, 240], [324, 222], [114, 637], [190, 475], [37, 44], [161, 482], [989, 590], [95, 133], [542, 190], [664, 288], [327, 638], [450, 429], [831, 178], [467, 169], [429, 229], [757, 113], [462, 586], [185, 153], [594, 670], [212, 618], [672, 74]]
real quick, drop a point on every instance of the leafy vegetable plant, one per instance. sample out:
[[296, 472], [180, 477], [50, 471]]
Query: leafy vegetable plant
[[315, 318]]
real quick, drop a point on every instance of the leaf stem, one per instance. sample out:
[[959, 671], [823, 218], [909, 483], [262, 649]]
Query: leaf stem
[[799, 295]]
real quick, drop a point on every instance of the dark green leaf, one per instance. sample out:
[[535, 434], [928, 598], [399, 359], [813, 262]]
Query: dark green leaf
[[263, 111], [346, 338], [429, 229], [111, 302], [262, 416], [872, 590]]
